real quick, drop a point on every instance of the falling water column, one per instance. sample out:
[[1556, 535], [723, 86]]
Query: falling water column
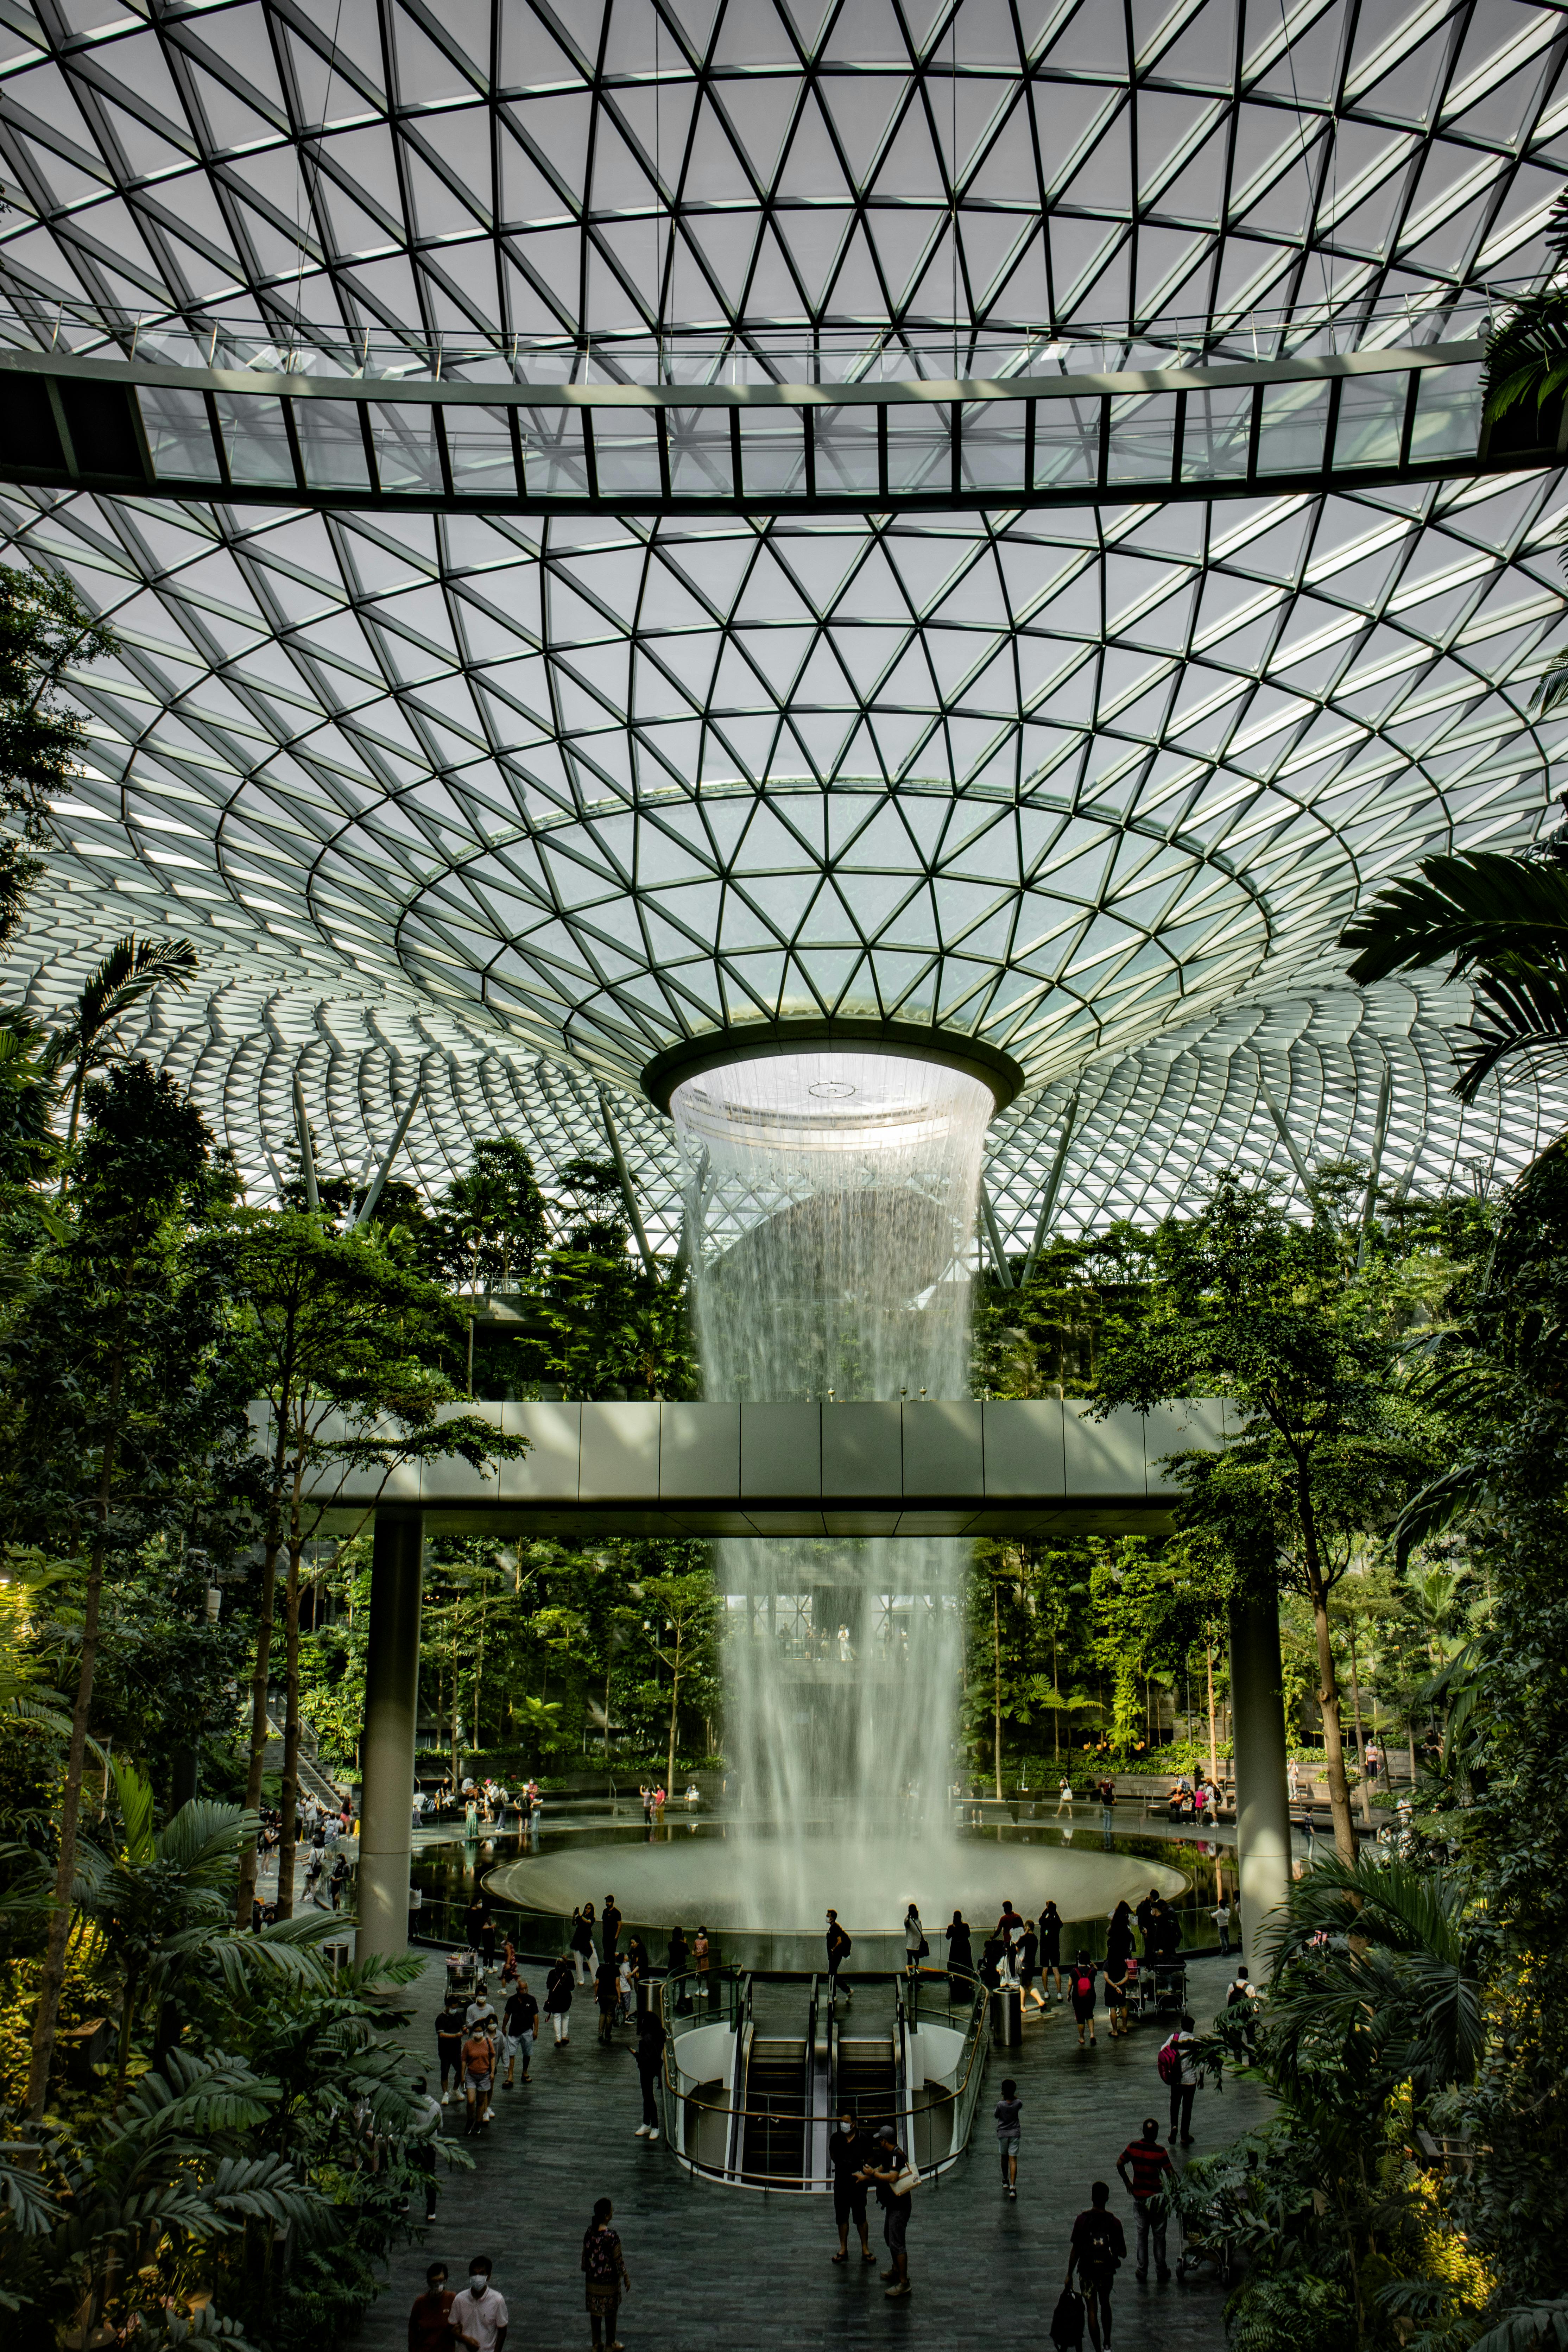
[[838, 1202], [1262, 1794]]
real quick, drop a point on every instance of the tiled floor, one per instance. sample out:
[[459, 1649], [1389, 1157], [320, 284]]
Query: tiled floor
[[725, 2268]]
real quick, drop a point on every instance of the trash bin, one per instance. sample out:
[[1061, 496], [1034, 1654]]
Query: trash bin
[[1006, 2018]]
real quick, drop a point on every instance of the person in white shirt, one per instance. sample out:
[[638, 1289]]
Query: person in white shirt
[[478, 2312], [1221, 1917]]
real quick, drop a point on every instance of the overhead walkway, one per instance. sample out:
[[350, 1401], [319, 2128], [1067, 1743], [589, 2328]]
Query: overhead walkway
[[472, 423], [1040, 1467]]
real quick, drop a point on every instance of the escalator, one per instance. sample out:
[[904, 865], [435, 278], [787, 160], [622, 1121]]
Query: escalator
[[778, 2109], [865, 2080]]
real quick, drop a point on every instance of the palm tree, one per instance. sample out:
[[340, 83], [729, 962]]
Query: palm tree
[[131, 970], [1500, 922]]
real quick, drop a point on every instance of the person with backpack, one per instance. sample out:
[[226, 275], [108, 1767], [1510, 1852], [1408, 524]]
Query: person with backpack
[[1099, 2248], [1080, 1988], [1181, 2074], [558, 1997], [839, 1948], [604, 2273], [1241, 1994], [1148, 2175]]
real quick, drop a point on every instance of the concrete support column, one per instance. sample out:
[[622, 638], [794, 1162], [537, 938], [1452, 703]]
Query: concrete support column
[[1262, 1794], [386, 1744]]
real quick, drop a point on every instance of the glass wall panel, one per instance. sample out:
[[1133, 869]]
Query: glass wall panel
[[179, 435], [700, 466], [920, 448], [255, 438], [1218, 427], [1295, 421], [991, 445], [1143, 438], [406, 457], [1447, 412], [1067, 443], [846, 451], [773, 452], [625, 448], [553, 465], [478, 448], [332, 446], [1370, 421]]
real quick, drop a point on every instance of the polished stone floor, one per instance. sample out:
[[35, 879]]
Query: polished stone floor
[[734, 2269]]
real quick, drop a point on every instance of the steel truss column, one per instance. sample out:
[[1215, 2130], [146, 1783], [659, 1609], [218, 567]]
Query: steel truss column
[[386, 1743]]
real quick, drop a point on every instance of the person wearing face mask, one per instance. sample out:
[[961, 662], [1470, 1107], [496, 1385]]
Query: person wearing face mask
[[431, 2328], [479, 2313], [849, 2151]]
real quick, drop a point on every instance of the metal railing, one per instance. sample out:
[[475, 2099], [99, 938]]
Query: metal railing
[[749, 356], [708, 2137]]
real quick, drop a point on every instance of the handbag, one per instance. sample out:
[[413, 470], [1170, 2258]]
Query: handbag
[[1067, 2320], [908, 2181], [924, 1952]]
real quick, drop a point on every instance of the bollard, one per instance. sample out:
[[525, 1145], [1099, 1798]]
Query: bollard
[[1006, 2018]]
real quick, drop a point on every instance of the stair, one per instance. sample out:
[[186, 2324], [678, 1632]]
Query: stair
[[864, 2082]]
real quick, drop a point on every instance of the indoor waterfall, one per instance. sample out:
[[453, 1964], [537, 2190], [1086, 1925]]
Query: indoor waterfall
[[833, 1197]]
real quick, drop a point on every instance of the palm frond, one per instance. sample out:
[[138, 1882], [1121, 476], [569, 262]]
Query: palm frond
[[1521, 1011], [1482, 906]]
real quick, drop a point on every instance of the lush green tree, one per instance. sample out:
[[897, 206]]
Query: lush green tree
[[102, 1367], [89, 1037], [45, 631], [489, 1226], [339, 1340], [1274, 1314]]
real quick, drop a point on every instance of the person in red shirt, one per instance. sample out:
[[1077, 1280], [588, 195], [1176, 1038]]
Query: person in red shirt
[[430, 2321], [1148, 2174]]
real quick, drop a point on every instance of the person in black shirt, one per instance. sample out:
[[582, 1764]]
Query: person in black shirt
[[610, 1925], [1099, 2245], [1051, 1947], [1080, 1986], [649, 2055], [1027, 1957], [1144, 1915], [960, 1957], [520, 2022], [450, 2027], [558, 1998], [474, 1924], [838, 1948], [487, 1941], [607, 1990], [849, 2151]]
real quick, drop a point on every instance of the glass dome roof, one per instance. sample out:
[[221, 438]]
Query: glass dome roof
[[519, 803]]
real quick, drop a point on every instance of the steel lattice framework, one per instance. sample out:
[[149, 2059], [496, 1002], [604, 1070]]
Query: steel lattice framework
[[510, 803]]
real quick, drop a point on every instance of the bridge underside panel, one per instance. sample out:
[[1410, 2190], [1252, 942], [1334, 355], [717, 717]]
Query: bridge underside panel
[[1038, 1468]]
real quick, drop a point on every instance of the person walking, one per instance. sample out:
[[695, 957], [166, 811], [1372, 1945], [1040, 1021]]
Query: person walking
[[890, 2171], [1009, 2113], [558, 1998], [478, 2076], [584, 1959], [850, 2152], [960, 1957], [1080, 1984], [1051, 1947], [1064, 1794], [702, 1962], [423, 2134], [1146, 2172], [1181, 2074], [430, 2321], [607, 1994], [839, 1948], [604, 2276], [1221, 1917], [1099, 2248], [479, 2313], [649, 2055], [610, 1927], [487, 1941], [1241, 1994], [1116, 1994], [520, 2022], [1106, 1804], [450, 2027], [1028, 1961]]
